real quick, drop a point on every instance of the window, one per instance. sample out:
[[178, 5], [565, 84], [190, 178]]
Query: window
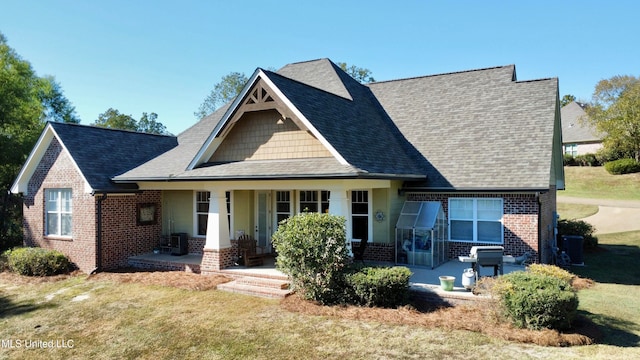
[[58, 212], [360, 214], [314, 201], [478, 220], [283, 205], [571, 149], [202, 211]]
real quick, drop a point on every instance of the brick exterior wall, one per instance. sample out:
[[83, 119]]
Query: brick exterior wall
[[382, 252], [196, 245], [216, 260], [57, 170], [122, 237], [520, 220]]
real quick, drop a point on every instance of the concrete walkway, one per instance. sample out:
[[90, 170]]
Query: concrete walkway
[[613, 215]]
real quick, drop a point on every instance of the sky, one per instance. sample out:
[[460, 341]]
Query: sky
[[166, 56]]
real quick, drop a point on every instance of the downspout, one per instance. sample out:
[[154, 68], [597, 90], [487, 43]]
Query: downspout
[[539, 201], [98, 268]]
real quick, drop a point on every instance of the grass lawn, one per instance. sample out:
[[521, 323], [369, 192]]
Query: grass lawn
[[596, 182], [615, 300], [575, 211], [106, 317]]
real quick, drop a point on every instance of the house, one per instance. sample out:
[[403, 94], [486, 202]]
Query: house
[[578, 137], [309, 138]]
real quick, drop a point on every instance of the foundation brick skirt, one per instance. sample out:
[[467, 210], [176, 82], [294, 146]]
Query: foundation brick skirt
[[214, 260]]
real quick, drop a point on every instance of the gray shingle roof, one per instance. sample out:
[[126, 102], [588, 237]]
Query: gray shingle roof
[[175, 162], [479, 129], [104, 153], [573, 129]]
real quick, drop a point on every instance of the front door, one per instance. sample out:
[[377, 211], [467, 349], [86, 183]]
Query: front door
[[263, 219]]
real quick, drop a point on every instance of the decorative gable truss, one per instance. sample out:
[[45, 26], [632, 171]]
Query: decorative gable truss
[[263, 125]]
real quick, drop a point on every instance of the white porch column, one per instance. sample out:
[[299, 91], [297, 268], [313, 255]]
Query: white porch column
[[217, 222], [339, 205]]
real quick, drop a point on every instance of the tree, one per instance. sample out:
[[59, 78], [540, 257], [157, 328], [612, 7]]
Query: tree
[[56, 106], [361, 74], [148, 124], [230, 86], [615, 111], [226, 90], [567, 99], [113, 119], [26, 102]]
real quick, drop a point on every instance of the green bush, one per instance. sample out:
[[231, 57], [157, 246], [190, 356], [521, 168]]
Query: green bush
[[312, 250], [537, 301], [37, 261], [551, 270], [568, 160], [622, 166], [587, 160], [578, 227], [378, 286]]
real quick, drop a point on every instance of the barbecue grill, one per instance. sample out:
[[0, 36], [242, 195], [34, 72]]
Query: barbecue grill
[[484, 256]]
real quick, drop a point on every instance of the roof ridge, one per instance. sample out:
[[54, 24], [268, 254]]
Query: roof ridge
[[534, 80], [303, 62], [442, 74], [305, 84], [57, 123]]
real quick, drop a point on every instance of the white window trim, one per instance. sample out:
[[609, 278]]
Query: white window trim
[[369, 212], [298, 202], [196, 213], [475, 221], [59, 212]]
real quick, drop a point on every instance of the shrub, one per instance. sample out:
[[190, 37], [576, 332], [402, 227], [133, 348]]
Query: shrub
[[622, 166], [378, 286], [578, 227], [568, 160], [37, 261], [537, 301], [553, 271], [312, 250], [587, 160]]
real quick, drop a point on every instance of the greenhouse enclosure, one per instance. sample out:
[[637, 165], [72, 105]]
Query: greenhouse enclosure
[[421, 233]]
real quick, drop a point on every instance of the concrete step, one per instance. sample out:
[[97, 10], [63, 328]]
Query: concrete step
[[267, 288]]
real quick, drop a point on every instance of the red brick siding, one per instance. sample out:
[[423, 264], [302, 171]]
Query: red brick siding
[[196, 245], [122, 237], [57, 170], [377, 251], [520, 221], [216, 260]]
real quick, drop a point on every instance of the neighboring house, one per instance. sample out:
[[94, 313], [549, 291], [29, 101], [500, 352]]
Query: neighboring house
[[578, 137], [309, 138]]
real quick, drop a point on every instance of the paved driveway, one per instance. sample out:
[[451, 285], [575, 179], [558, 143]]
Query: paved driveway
[[612, 216]]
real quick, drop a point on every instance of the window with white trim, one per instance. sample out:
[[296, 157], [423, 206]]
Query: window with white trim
[[283, 205], [59, 212], [360, 214], [571, 149], [202, 211], [314, 201], [476, 220]]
